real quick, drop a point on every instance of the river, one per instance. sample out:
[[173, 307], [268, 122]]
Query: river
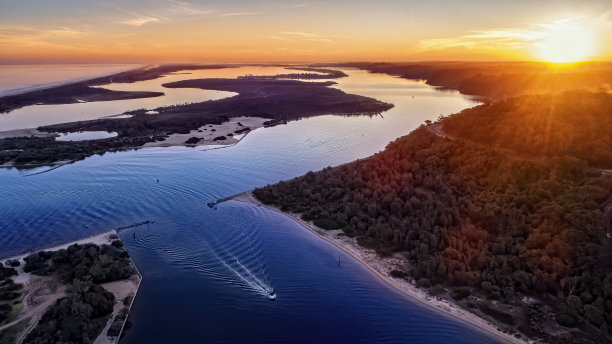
[[206, 271]]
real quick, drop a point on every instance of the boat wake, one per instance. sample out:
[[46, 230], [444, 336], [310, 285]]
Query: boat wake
[[237, 251], [229, 251]]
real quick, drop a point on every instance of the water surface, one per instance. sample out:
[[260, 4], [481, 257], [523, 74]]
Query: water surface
[[206, 270], [21, 78], [38, 115], [85, 135]]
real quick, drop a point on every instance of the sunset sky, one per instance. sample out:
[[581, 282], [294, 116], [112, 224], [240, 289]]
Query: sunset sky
[[44, 31]]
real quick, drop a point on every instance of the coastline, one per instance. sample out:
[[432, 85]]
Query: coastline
[[42, 292], [234, 130], [382, 266], [52, 84]]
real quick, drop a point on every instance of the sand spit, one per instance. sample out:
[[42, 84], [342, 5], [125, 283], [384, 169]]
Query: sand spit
[[209, 132]]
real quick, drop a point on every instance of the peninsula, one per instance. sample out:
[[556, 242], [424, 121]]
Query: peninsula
[[92, 90]]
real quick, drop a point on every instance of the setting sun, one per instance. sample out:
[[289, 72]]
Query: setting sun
[[565, 43]]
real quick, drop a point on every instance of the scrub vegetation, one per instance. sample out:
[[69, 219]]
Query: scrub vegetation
[[82, 314]]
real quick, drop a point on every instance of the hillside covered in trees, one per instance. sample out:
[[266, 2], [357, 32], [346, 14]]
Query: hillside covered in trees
[[500, 206]]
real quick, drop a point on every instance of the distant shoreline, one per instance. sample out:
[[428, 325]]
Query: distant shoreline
[[381, 267], [38, 87], [277, 100]]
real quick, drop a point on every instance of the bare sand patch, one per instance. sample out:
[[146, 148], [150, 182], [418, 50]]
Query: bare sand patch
[[24, 132], [123, 289], [209, 132]]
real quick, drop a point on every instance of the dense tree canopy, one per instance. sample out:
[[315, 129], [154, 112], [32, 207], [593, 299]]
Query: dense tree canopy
[[78, 318], [99, 264], [574, 123], [465, 214]]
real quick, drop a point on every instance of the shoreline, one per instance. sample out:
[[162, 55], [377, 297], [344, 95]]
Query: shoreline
[[206, 133], [52, 84], [381, 267]]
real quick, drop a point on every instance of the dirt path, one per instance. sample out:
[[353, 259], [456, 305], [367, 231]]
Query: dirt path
[[436, 128], [38, 299]]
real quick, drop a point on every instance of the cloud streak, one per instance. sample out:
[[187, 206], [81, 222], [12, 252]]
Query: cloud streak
[[293, 6], [140, 21], [509, 38], [172, 10], [239, 14], [185, 8], [52, 37], [290, 36]]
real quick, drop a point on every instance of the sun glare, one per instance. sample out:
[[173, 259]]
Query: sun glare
[[565, 43]]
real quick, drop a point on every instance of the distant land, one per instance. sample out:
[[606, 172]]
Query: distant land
[[499, 80], [90, 90], [274, 98], [85, 90]]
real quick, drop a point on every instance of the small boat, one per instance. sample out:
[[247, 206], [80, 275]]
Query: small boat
[[271, 295]]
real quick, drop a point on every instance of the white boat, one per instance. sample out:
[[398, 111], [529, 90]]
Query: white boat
[[271, 295]]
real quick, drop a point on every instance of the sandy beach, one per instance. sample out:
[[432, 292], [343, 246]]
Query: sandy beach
[[381, 267], [209, 132], [42, 291]]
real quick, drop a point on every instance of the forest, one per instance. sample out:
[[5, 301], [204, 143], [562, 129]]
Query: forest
[[573, 123], [506, 207]]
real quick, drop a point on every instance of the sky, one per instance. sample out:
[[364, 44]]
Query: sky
[[241, 31]]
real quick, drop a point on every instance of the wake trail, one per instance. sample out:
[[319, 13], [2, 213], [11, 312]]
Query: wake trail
[[248, 266]]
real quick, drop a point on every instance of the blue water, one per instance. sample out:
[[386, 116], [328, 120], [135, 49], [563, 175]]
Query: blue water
[[206, 271]]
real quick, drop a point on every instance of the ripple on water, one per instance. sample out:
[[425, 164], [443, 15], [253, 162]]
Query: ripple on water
[[190, 292]]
